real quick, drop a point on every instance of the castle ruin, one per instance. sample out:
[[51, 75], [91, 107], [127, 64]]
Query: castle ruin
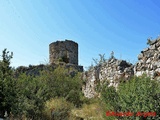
[[113, 70], [63, 51]]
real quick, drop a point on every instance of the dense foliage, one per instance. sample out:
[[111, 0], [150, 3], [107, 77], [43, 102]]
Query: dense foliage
[[139, 95], [24, 96], [7, 84]]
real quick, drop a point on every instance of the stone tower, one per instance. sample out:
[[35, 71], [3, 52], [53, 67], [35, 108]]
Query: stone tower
[[63, 51]]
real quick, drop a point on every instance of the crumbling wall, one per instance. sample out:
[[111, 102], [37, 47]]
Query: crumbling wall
[[149, 60], [113, 71], [35, 70], [116, 70]]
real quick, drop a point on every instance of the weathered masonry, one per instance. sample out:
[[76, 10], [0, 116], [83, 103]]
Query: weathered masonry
[[63, 51], [115, 70]]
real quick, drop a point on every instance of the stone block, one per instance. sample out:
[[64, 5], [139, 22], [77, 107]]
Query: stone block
[[153, 47], [140, 56]]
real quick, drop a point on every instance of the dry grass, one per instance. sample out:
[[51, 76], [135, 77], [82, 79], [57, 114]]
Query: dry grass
[[61, 108], [93, 111]]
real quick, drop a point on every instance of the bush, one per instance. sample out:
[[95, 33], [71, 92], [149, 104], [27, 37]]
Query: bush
[[140, 94], [92, 111], [30, 97], [57, 109], [61, 84]]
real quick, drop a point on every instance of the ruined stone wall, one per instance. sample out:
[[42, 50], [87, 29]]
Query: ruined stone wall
[[35, 70], [149, 60], [63, 51], [113, 71]]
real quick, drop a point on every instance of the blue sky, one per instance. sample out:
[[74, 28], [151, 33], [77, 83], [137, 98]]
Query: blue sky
[[27, 27]]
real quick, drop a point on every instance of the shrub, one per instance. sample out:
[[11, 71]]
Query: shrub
[[61, 84], [57, 109], [92, 111], [30, 97], [140, 94]]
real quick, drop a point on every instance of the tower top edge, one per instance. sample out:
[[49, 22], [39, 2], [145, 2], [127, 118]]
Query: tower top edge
[[63, 41]]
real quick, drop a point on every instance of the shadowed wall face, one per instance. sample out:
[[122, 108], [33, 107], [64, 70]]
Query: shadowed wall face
[[63, 51]]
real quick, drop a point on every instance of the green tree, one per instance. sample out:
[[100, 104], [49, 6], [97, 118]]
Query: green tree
[[7, 83], [30, 97]]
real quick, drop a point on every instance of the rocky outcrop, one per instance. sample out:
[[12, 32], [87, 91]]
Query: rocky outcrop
[[149, 60], [113, 71]]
